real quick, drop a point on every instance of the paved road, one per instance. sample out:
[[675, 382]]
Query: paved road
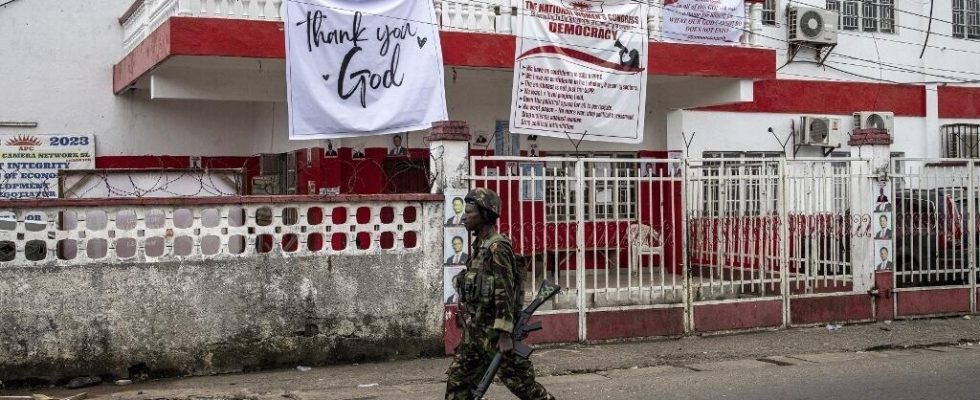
[[922, 359], [948, 373], [938, 373]]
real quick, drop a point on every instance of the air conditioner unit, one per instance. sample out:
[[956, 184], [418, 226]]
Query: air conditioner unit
[[819, 131], [812, 25], [875, 119]]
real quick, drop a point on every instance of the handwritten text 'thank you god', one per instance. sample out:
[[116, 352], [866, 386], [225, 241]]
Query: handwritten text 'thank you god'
[[352, 82]]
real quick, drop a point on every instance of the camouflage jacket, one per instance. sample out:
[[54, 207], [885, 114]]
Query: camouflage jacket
[[489, 285]]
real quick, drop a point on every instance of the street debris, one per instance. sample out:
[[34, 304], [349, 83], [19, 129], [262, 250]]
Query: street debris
[[832, 327], [367, 385], [124, 382], [83, 381], [303, 368], [967, 317]]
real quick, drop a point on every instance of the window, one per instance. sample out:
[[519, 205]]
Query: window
[[740, 183], [604, 198], [966, 19], [866, 15], [769, 12], [961, 140]]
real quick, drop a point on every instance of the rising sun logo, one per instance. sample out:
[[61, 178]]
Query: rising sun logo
[[580, 5], [23, 142]]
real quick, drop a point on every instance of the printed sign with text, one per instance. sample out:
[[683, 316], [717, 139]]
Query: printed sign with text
[[581, 70], [29, 164], [357, 68]]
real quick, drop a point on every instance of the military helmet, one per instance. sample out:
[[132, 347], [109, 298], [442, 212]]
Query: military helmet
[[485, 199]]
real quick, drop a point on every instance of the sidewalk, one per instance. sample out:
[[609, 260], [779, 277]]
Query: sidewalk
[[557, 363]]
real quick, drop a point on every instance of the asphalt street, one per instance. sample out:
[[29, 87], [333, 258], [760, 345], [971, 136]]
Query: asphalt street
[[922, 359]]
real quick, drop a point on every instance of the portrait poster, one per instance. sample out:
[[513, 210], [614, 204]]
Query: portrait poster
[[454, 207], [456, 246], [449, 291]]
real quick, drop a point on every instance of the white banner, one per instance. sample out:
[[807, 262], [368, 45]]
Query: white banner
[[581, 70], [356, 68], [704, 21], [29, 164]]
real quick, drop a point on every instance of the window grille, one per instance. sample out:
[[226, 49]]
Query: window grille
[[961, 140], [866, 15], [966, 19], [769, 12], [604, 199], [739, 184]]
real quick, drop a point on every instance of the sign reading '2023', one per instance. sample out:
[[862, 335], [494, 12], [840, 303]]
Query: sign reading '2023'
[[29, 164]]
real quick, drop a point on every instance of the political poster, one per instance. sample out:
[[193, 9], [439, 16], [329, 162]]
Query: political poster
[[581, 70], [29, 164], [358, 68], [704, 21]]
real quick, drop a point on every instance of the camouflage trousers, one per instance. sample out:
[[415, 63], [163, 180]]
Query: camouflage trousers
[[473, 357]]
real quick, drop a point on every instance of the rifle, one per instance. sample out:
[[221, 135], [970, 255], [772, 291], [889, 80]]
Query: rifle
[[522, 328]]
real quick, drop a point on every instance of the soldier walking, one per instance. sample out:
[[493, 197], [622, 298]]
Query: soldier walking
[[491, 297]]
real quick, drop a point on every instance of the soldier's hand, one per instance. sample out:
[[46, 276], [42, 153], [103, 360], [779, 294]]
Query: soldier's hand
[[505, 344]]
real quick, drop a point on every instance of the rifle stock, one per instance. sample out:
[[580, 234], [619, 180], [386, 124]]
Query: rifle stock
[[522, 328]]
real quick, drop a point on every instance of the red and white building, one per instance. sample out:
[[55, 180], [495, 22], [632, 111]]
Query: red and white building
[[173, 85]]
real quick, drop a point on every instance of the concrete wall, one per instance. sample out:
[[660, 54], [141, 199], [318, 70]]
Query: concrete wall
[[222, 315]]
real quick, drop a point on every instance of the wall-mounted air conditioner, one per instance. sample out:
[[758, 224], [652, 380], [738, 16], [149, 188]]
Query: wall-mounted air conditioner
[[875, 120], [818, 131], [812, 25]]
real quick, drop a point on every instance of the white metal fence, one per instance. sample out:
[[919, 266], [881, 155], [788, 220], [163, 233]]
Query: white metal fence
[[935, 223], [640, 233]]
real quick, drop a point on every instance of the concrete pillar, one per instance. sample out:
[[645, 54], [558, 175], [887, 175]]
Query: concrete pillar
[[932, 137], [755, 16], [449, 155], [655, 20], [873, 145]]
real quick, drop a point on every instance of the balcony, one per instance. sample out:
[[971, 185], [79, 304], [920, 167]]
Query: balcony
[[206, 49], [483, 16]]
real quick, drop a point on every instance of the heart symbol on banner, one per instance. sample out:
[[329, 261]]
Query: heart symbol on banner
[[421, 41], [326, 77]]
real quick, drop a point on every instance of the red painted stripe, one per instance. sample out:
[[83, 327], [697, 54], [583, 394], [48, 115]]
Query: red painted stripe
[[823, 97], [219, 200], [192, 36], [959, 102], [929, 302], [743, 315], [142, 162], [578, 55], [827, 309], [607, 325], [146, 56], [684, 59]]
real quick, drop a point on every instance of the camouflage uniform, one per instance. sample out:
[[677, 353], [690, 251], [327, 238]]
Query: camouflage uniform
[[489, 303]]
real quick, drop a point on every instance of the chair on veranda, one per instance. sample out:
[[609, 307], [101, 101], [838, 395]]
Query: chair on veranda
[[643, 241]]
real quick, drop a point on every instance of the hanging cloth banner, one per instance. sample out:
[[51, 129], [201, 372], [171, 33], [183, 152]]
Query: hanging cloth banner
[[704, 21], [358, 68], [581, 70]]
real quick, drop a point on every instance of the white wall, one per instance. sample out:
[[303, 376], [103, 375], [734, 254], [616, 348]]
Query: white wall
[[57, 60], [56, 70], [731, 131], [900, 49]]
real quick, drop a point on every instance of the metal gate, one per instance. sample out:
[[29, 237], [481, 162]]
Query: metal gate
[[678, 236], [935, 252]]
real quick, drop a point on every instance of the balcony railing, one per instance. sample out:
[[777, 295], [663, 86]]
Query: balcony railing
[[80, 232], [487, 16]]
